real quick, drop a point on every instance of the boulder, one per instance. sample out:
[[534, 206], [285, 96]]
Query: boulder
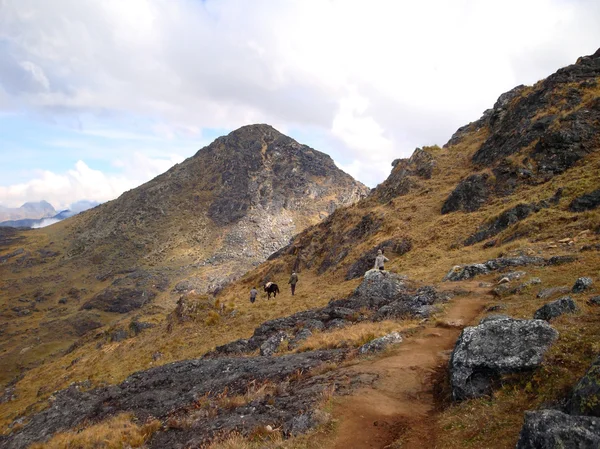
[[337, 324], [559, 260], [507, 289], [496, 347], [379, 287], [379, 344], [582, 284], [271, 346], [552, 429], [594, 301], [300, 336], [512, 275], [585, 399], [555, 308], [546, 293]]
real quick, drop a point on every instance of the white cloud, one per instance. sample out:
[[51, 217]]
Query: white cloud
[[381, 77], [84, 183]]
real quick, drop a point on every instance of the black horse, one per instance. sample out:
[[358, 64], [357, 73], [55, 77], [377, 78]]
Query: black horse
[[272, 289]]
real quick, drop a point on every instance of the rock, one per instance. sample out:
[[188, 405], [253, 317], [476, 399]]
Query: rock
[[505, 289], [62, 301], [495, 308], [337, 324], [157, 356], [485, 285], [240, 346], [501, 222], [419, 304], [378, 283], [586, 202], [559, 260], [511, 276], [552, 429], [582, 284], [379, 344], [496, 347], [546, 293], [271, 346], [493, 318], [314, 325], [119, 335], [469, 195], [464, 272], [136, 327], [594, 301], [585, 399], [159, 391], [300, 336], [555, 308]]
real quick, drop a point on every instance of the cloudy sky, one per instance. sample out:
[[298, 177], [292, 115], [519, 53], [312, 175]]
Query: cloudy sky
[[98, 96]]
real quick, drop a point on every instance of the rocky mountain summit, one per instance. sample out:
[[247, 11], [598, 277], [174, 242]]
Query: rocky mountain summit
[[229, 206]]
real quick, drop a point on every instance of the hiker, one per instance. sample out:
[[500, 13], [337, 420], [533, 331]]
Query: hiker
[[293, 281], [253, 294], [380, 260]]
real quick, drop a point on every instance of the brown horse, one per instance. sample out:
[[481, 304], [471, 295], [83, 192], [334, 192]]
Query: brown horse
[[272, 289]]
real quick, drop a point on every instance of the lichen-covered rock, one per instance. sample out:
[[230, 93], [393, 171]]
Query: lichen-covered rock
[[464, 272], [552, 429], [555, 308], [585, 399], [380, 286], [271, 346], [496, 347], [379, 344], [582, 284], [546, 293]]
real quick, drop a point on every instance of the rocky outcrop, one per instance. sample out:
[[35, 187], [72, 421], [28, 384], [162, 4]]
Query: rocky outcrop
[[470, 194], [551, 429], [464, 272], [381, 343], [555, 309], [161, 392], [502, 222], [586, 202], [405, 175], [500, 346], [585, 399]]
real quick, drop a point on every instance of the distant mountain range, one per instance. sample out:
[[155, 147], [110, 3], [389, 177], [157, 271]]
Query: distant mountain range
[[40, 214]]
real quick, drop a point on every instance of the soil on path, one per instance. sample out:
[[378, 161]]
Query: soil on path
[[400, 404]]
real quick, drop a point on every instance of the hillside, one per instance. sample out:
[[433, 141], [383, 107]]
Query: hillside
[[197, 227], [486, 224]]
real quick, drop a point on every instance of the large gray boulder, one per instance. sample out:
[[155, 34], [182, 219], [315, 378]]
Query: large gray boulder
[[555, 308], [379, 287], [551, 429], [501, 346], [271, 346], [585, 399], [379, 344], [464, 272]]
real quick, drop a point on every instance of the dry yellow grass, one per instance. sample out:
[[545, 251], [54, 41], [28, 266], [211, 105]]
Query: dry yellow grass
[[355, 335], [115, 433]]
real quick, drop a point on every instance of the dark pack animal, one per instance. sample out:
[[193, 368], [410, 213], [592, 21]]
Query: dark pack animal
[[272, 289]]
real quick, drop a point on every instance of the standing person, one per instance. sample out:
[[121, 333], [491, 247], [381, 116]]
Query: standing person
[[293, 281], [253, 294], [380, 260]]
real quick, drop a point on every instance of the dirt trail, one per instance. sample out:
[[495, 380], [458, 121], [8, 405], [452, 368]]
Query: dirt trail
[[400, 403]]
